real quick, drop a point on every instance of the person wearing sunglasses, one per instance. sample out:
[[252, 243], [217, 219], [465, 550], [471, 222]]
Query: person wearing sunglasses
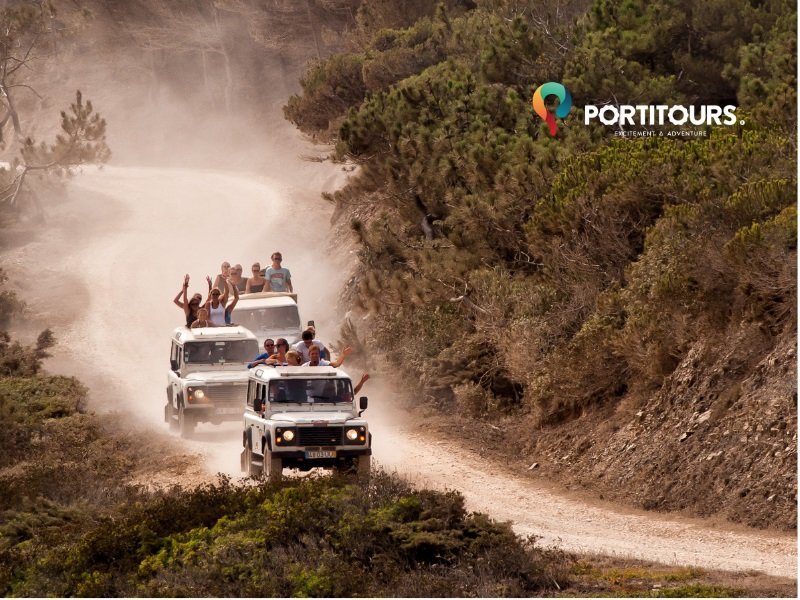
[[261, 359], [237, 279], [190, 307], [279, 358], [216, 306], [280, 279], [256, 282]]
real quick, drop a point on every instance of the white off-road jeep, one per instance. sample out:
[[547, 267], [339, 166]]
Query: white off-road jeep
[[269, 315], [207, 380], [301, 418]]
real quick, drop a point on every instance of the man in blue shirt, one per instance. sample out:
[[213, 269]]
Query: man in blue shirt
[[269, 346]]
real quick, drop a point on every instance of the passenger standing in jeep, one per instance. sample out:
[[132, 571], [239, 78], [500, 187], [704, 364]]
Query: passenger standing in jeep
[[280, 279], [190, 307]]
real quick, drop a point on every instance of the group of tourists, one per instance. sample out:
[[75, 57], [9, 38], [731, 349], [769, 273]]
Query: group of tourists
[[274, 278], [216, 312], [228, 284], [308, 352]]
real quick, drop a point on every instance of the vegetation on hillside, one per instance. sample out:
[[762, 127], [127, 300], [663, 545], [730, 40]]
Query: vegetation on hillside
[[520, 274]]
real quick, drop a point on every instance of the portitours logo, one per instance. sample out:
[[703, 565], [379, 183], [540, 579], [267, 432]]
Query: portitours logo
[[551, 88]]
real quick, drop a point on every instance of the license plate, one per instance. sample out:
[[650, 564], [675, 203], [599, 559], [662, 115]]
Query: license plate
[[228, 411], [320, 453]]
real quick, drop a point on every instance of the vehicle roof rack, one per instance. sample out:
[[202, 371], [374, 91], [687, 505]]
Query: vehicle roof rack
[[256, 295], [305, 372]]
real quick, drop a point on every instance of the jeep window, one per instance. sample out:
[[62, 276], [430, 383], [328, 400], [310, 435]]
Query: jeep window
[[174, 357], [213, 352], [278, 317], [306, 391], [251, 392]]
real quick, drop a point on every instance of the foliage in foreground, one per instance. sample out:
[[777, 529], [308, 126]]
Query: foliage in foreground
[[70, 525], [319, 537]]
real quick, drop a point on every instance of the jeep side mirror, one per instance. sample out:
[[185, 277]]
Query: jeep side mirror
[[258, 404], [362, 402], [173, 363]]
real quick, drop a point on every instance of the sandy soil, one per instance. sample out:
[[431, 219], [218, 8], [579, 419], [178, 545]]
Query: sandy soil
[[114, 257]]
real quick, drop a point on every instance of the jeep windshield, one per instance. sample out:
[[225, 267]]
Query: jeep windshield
[[274, 318], [220, 351], [309, 391]]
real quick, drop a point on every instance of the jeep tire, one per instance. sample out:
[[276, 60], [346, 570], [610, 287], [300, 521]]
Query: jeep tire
[[249, 466], [273, 466], [169, 412], [185, 423]]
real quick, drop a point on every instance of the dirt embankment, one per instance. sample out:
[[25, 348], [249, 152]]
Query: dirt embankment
[[720, 441]]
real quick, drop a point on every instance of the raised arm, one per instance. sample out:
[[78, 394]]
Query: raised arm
[[223, 299], [177, 299], [186, 310], [345, 353], [364, 379], [208, 297], [229, 309]]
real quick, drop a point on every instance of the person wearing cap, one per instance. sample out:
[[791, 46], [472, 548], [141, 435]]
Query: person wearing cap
[[279, 278]]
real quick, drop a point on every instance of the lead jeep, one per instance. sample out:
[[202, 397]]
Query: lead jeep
[[207, 381], [301, 418]]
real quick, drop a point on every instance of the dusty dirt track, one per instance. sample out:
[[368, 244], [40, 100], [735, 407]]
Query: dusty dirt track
[[115, 254]]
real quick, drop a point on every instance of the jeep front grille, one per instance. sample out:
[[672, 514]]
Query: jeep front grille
[[226, 394], [320, 436]]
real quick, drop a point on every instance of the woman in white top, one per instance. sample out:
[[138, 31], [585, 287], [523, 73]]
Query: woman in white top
[[216, 307]]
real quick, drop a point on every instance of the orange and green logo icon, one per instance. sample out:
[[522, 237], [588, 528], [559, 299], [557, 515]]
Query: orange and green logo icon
[[551, 88]]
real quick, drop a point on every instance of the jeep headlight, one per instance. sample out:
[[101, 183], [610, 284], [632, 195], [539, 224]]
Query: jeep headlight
[[284, 436], [196, 395], [355, 435]]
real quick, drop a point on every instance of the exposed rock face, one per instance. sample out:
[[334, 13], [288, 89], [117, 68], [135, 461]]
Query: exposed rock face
[[719, 439]]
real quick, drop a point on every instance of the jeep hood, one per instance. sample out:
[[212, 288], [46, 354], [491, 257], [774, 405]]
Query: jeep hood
[[304, 418], [217, 377]]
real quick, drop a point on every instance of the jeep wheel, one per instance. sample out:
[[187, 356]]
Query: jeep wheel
[[185, 423], [363, 468], [254, 469], [170, 414], [273, 467]]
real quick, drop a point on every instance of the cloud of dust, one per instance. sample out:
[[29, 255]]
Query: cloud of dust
[[191, 183]]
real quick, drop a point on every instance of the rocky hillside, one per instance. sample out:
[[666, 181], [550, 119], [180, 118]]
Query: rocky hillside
[[624, 306]]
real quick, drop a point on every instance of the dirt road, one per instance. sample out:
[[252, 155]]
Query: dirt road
[[114, 257]]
